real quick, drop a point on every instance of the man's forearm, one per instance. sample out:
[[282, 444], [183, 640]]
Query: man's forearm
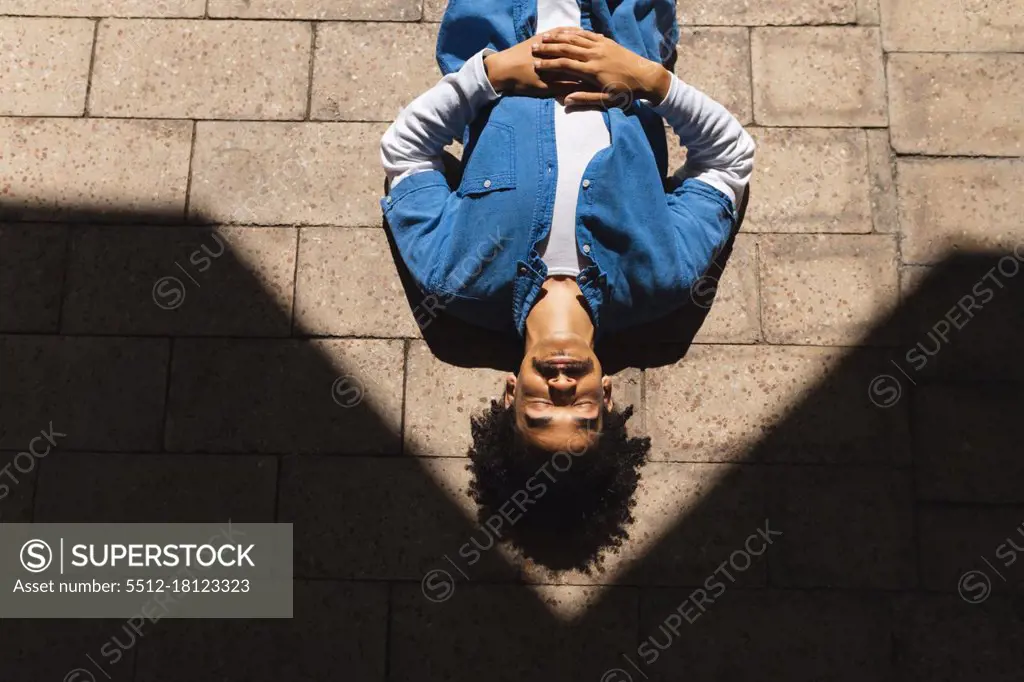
[[415, 141]]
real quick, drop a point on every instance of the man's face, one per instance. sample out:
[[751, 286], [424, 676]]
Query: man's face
[[559, 395]]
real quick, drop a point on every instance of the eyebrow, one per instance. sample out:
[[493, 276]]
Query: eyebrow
[[535, 422]]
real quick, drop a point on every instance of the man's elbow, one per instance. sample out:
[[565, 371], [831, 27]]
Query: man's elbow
[[387, 145], [744, 160], [747, 146]]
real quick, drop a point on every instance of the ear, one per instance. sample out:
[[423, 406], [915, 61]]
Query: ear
[[510, 390], [606, 384]]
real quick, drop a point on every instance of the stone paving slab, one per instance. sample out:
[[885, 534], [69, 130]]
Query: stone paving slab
[[348, 10], [962, 26], [846, 528], [347, 285], [760, 12], [969, 453], [818, 77], [772, 403], [828, 290], [156, 488], [104, 393], [950, 205], [105, 8], [337, 626], [433, 10], [785, 635], [942, 633], [956, 540], [29, 649], [721, 504], [957, 104], [18, 488], [201, 69], [460, 640], [717, 61], [338, 396], [868, 12], [810, 180], [54, 167], [734, 297], [44, 69], [962, 322], [435, 421], [193, 281], [381, 517], [881, 173], [354, 59], [31, 276], [287, 173]]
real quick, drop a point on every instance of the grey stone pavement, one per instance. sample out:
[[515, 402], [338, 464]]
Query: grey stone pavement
[[196, 288]]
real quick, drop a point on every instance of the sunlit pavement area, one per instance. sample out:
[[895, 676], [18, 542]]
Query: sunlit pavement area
[[196, 290]]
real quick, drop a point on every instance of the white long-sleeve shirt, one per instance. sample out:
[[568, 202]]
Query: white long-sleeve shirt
[[719, 151]]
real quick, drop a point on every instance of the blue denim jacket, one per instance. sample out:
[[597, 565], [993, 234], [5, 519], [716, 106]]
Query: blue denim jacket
[[474, 249]]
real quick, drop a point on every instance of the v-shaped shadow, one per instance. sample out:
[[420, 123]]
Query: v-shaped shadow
[[200, 399]]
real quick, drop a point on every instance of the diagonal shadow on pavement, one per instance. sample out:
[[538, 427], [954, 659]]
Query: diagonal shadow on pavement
[[886, 491]]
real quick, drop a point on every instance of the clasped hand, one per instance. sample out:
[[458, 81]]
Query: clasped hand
[[586, 68]]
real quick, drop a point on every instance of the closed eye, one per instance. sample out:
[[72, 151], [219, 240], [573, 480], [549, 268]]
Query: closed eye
[[582, 422]]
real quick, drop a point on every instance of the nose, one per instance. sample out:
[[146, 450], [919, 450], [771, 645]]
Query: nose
[[562, 382], [562, 385]]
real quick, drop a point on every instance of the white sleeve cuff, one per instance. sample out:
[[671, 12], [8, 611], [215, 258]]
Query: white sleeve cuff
[[664, 108], [473, 78]]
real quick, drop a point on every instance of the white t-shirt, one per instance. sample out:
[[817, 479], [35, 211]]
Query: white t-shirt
[[579, 135]]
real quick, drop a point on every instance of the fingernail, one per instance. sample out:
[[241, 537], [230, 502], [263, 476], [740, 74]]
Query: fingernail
[[535, 46]]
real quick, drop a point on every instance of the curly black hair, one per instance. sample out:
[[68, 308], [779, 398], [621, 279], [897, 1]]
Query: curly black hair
[[571, 506]]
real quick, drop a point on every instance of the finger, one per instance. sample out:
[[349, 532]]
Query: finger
[[568, 39], [588, 99], [568, 87], [563, 64], [578, 83], [579, 32], [551, 50]]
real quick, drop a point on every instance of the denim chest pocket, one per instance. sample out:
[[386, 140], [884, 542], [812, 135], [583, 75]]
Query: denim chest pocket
[[492, 161]]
